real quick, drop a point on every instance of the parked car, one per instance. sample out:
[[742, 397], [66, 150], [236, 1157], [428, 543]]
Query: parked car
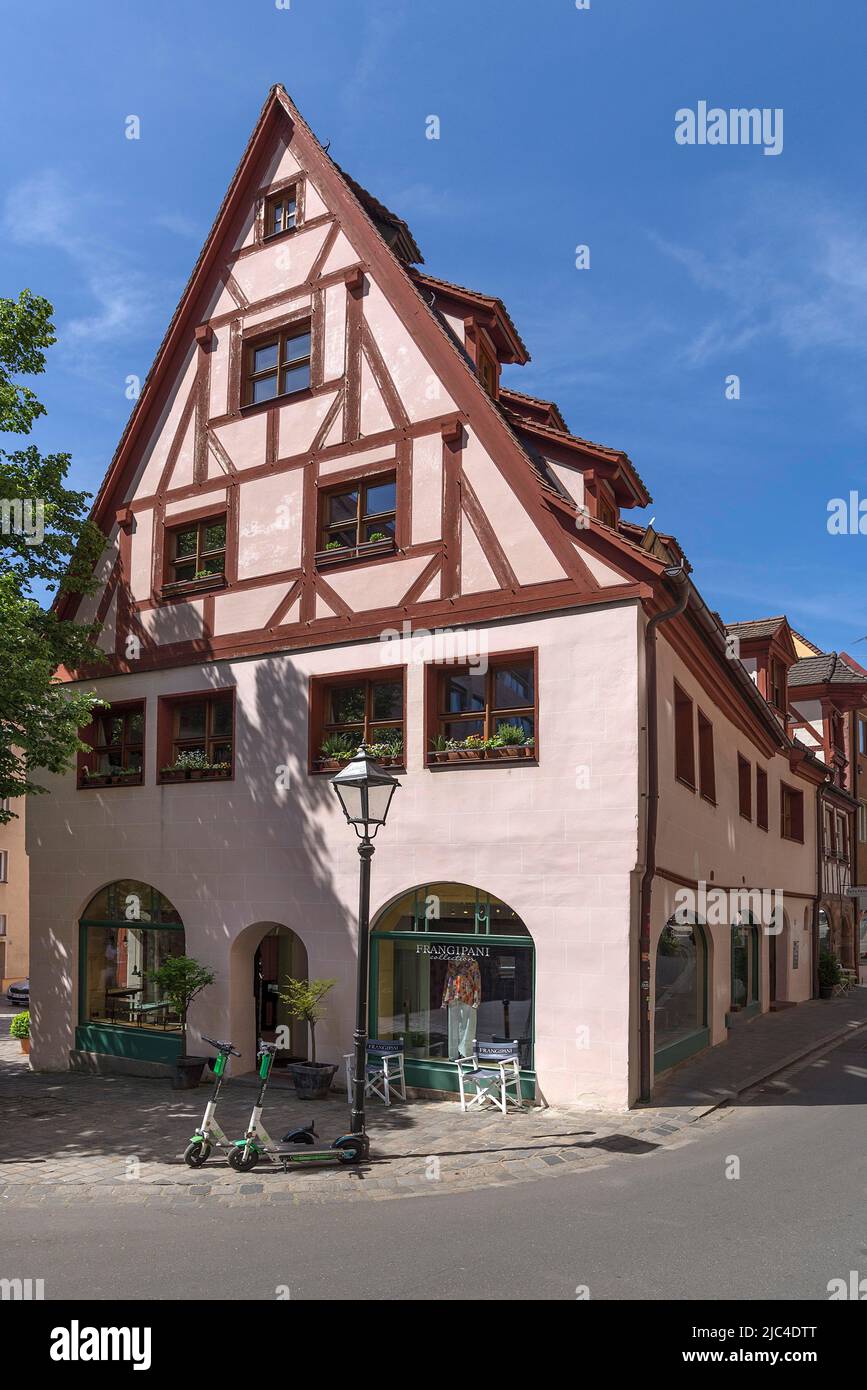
[[19, 993]]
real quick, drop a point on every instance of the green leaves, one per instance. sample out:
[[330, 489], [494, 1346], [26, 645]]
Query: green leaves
[[45, 539]]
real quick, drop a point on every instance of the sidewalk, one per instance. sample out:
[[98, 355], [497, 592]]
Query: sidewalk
[[76, 1137], [759, 1048]]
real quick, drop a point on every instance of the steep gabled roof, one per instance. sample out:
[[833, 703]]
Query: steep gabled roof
[[532, 407]]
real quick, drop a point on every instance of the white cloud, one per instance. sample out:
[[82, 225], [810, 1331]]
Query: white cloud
[[46, 210]]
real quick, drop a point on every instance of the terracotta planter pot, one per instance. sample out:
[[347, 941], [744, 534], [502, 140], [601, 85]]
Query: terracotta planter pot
[[438, 757], [25, 1046]]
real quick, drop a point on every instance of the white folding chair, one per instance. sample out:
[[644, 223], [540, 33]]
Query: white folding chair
[[383, 1071], [492, 1076]]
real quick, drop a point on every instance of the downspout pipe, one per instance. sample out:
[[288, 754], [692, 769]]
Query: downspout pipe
[[677, 575]]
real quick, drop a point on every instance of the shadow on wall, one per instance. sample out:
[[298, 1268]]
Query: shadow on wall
[[266, 833]]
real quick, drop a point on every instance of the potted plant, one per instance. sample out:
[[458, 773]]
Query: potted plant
[[20, 1028], [303, 1000], [389, 750], [473, 746], [179, 980], [830, 974], [439, 749], [510, 741], [194, 767], [335, 750]]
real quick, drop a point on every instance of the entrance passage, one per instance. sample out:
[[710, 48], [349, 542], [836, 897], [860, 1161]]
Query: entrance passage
[[280, 956], [452, 965]]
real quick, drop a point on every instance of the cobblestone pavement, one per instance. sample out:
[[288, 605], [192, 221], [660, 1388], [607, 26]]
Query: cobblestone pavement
[[78, 1137]]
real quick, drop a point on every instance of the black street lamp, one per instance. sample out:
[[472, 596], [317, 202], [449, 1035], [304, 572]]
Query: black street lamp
[[365, 790]]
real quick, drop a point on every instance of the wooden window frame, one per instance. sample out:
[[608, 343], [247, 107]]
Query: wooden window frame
[[270, 194], [685, 775], [777, 682], [706, 784], [861, 823], [297, 328], [362, 549], [762, 798], [434, 718], [319, 727], [280, 196], [168, 740], [791, 796], [88, 779], [862, 736], [487, 370], [4, 866], [200, 523], [745, 784]]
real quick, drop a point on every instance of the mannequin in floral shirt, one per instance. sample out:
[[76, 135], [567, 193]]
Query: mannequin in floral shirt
[[461, 996]]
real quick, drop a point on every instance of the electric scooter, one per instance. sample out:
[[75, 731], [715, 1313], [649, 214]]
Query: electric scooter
[[296, 1145], [209, 1133]]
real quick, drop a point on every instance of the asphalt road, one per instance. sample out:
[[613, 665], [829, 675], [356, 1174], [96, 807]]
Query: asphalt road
[[666, 1225]]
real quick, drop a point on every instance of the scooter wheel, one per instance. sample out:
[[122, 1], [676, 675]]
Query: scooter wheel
[[197, 1154], [239, 1162], [350, 1149]]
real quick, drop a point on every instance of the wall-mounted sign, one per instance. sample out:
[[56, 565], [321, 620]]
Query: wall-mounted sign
[[795, 952]]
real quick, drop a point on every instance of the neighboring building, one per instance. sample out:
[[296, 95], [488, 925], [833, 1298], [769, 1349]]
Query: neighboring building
[[825, 692], [328, 522], [858, 741], [14, 899]]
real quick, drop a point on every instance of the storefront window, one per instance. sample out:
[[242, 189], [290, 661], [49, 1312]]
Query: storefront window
[[443, 978], [128, 930], [681, 984]]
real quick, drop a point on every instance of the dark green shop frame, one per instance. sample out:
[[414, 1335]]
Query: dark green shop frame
[[113, 1039], [442, 1075]]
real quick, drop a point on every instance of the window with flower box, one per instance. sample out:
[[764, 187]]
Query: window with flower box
[[346, 711], [196, 737], [357, 519], [195, 555], [476, 715], [115, 753]]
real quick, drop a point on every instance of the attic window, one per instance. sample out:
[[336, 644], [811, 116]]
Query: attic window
[[278, 365], [606, 512], [281, 211]]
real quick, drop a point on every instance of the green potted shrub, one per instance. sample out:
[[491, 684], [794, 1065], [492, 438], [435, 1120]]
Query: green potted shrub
[[20, 1028], [830, 974], [179, 980], [439, 749], [335, 750], [303, 1000]]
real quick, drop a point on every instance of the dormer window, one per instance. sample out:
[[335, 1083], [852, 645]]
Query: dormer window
[[488, 373], [778, 685], [606, 512], [278, 365], [281, 212]]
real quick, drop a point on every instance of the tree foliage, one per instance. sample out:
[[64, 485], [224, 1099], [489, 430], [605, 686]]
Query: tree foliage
[[47, 541]]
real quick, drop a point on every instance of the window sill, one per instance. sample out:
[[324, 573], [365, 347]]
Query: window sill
[[193, 586], [690, 786], [369, 550], [331, 765], [108, 779], [278, 236], [711, 800], [195, 774], [304, 393], [759, 826], [745, 817], [463, 756], [798, 840]]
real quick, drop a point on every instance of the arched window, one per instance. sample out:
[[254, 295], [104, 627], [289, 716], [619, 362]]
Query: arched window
[[680, 1010], [450, 965], [126, 932]]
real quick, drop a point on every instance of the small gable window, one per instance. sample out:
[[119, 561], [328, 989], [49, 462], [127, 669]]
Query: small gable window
[[278, 365], [488, 373], [196, 551], [358, 518], [281, 212]]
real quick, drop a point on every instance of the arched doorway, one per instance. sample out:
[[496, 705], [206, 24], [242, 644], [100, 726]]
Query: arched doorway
[[681, 997], [280, 956], [451, 965], [746, 966], [126, 932]]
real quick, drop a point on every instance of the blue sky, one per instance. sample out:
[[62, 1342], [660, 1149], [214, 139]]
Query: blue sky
[[557, 129]]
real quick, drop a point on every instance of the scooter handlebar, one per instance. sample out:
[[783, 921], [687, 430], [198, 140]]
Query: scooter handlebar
[[222, 1046]]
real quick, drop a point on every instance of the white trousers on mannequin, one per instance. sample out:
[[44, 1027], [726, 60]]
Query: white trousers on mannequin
[[462, 1029]]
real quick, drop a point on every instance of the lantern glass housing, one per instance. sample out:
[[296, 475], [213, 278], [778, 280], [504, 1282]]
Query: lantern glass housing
[[365, 790]]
